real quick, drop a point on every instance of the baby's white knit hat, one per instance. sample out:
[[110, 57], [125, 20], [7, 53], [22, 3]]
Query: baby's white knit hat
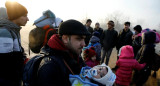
[[108, 79]]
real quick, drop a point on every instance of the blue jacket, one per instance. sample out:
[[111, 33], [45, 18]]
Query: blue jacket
[[94, 40]]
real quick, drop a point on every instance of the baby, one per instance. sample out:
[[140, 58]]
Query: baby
[[100, 74]]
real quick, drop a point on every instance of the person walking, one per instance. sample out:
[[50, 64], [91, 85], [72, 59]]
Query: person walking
[[65, 49], [109, 38], [146, 55], [124, 38], [136, 43], [11, 51], [126, 63]]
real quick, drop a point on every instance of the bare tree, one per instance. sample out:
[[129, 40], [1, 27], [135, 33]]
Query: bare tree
[[118, 19], [116, 16]]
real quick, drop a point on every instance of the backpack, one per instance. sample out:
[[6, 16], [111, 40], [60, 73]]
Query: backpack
[[31, 69], [38, 37]]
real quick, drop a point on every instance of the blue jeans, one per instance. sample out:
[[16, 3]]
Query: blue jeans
[[108, 52]]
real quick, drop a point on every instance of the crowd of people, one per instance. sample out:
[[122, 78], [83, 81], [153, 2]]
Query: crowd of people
[[74, 50]]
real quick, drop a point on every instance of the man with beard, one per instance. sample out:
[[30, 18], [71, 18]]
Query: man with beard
[[64, 51]]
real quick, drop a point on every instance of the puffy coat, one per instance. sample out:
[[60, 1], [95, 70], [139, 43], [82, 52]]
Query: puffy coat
[[11, 52], [126, 64], [95, 40]]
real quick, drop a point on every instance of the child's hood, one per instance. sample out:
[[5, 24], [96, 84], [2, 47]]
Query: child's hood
[[126, 52], [94, 39]]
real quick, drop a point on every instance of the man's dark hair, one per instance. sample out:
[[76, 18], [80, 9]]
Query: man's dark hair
[[127, 23], [111, 22], [97, 23], [138, 28], [154, 30], [88, 20]]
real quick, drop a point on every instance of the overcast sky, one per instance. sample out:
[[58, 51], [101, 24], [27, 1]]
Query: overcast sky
[[143, 12]]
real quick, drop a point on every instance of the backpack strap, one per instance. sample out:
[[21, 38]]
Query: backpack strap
[[68, 67], [47, 27], [55, 59]]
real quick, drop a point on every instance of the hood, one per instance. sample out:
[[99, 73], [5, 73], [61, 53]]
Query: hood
[[126, 52], [94, 39], [55, 43], [9, 24], [148, 37]]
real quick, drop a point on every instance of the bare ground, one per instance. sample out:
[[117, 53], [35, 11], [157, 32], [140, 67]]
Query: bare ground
[[24, 37]]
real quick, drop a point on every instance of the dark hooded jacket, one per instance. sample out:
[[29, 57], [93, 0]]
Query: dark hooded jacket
[[124, 38], [146, 53], [54, 72], [136, 44], [11, 52]]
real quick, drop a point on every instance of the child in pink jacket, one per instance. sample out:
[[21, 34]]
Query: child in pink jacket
[[126, 63]]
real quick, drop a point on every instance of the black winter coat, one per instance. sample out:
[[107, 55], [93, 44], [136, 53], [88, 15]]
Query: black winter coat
[[90, 29], [136, 44], [124, 38], [54, 72], [109, 38], [147, 51]]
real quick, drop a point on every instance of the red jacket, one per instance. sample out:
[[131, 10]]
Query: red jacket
[[126, 63]]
